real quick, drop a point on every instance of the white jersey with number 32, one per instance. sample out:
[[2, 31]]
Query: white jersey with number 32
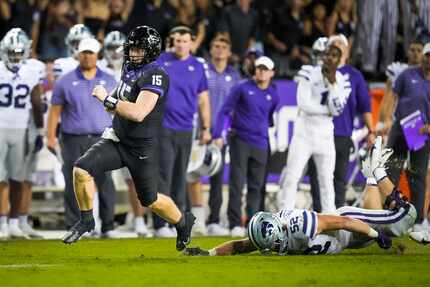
[[15, 93]]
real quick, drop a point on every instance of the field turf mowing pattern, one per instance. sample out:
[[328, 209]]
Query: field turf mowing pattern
[[155, 262]]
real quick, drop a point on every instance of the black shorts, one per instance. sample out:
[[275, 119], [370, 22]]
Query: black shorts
[[142, 163]]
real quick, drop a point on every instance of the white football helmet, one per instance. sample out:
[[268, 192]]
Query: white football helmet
[[205, 160], [266, 233], [318, 49], [75, 35], [15, 47], [112, 48]]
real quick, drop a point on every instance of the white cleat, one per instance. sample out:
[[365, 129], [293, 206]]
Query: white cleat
[[4, 232], [16, 232], [422, 237], [214, 229], [164, 232], [29, 231], [237, 231]]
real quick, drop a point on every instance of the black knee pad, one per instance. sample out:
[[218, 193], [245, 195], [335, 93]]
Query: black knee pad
[[85, 163], [147, 198]]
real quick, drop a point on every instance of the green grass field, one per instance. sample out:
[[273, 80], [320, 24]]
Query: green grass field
[[154, 262]]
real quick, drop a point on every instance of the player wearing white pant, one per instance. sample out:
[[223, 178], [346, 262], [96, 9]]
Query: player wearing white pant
[[20, 92], [322, 93]]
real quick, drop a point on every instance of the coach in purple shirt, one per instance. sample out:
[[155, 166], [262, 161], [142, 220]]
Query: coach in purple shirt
[[83, 120], [412, 92], [358, 104], [250, 105], [188, 93]]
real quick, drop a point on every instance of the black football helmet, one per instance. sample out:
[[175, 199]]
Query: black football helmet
[[146, 38]]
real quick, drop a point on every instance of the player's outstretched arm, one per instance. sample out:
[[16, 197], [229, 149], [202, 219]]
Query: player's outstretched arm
[[336, 222], [227, 248]]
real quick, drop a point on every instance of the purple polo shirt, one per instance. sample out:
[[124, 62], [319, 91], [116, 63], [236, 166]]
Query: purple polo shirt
[[413, 92], [358, 102], [82, 113], [251, 110], [219, 86], [187, 81]]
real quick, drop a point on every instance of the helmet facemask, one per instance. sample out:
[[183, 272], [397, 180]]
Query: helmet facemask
[[15, 48], [146, 39], [267, 234]]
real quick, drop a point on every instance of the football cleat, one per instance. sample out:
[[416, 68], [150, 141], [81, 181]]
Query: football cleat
[[184, 234], [76, 232]]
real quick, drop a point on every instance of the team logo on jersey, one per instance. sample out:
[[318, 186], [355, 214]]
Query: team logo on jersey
[[228, 78], [266, 229], [250, 93], [102, 82], [191, 68], [75, 83], [268, 97], [413, 81], [166, 64]]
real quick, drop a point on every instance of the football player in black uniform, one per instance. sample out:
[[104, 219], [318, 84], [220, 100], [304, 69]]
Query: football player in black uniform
[[138, 106]]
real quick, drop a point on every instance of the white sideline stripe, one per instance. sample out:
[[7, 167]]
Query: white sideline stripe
[[12, 266]]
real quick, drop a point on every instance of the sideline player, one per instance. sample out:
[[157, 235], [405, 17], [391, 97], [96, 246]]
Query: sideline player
[[20, 92], [138, 105], [322, 93]]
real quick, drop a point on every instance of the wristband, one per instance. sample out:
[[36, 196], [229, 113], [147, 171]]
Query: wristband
[[40, 131], [379, 174], [110, 103], [212, 252], [371, 181], [373, 233]]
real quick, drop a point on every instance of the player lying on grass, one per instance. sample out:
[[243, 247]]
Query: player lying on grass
[[307, 232]]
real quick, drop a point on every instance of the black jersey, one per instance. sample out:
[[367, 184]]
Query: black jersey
[[150, 77]]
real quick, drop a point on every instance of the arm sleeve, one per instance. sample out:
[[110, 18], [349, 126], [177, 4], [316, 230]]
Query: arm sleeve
[[155, 81], [227, 108], [58, 97], [363, 97]]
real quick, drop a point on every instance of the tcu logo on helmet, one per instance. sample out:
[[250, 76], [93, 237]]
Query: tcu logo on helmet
[[266, 229]]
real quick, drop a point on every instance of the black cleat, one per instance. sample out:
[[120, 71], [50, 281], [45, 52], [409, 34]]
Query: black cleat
[[76, 232], [184, 233]]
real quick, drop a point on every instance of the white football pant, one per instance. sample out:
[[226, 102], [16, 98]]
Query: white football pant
[[313, 136]]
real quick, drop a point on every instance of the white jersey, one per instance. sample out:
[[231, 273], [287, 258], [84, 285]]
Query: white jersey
[[316, 96], [302, 225], [15, 93], [104, 66], [64, 65], [394, 70]]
